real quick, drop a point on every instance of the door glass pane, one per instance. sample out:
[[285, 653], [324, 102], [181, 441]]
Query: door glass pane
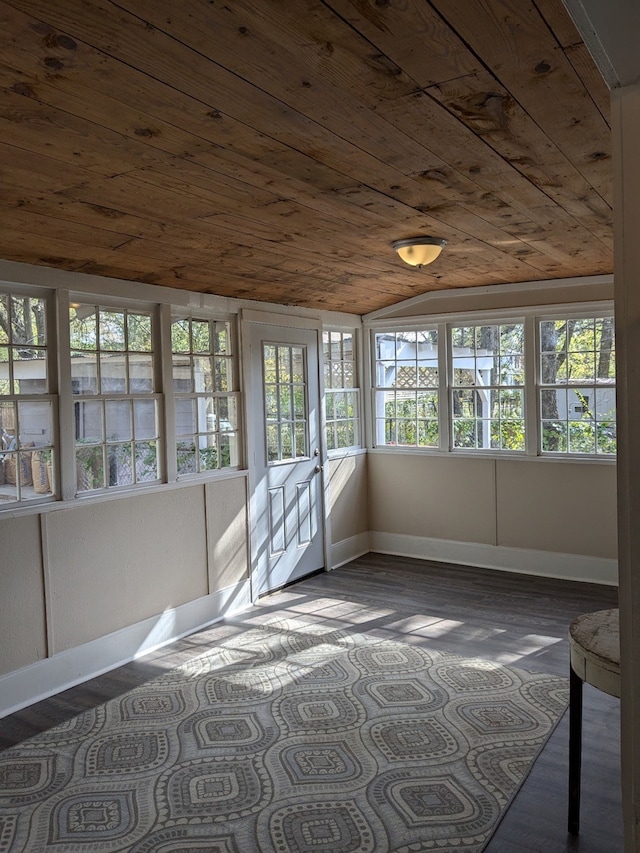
[[285, 396]]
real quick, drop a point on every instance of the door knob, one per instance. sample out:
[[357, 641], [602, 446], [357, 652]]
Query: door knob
[[318, 468]]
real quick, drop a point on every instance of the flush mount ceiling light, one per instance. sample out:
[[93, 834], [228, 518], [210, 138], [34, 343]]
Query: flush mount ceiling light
[[419, 251]]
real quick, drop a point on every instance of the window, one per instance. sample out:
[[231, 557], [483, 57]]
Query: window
[[116, 411], [487, 393], [206, 399], [406, 388], [341, 395], [285, 401], [27, 462], [577, 385]]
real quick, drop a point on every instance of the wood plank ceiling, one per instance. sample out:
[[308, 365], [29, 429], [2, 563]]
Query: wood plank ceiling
[[273, 149]]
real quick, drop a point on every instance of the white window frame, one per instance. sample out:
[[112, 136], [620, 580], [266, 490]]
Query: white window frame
[[452, 387], [531, 317], [567, 313], [50, 396], [381, 389], [113, 304], [356, 389], [171, 314]]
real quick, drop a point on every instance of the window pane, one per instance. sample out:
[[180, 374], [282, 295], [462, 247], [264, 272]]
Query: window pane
[[205, 407], [83, 327], [284, 364], [29, 371], [229, 451], [112, 325], [5, 376], [89, 423], [554, 436], [27, 321], [286, 441], [428, 435], [186, 457], [297, 364], [208, 454], [182, 374], [144, 419], [121, 464], [222, 374], [140, 374], [84, 373], [113, 373], [180, 336], [300, 437], [582, 366], [464, 433], [118, 420], [273, 445], [90, 468], [202, 374], [221, 338], [8, 426], [606, 437], [139, 328], [582, 437], [35, 424], [200, 336], [185, 416], [146, 453], [227, 413], [269, 362]]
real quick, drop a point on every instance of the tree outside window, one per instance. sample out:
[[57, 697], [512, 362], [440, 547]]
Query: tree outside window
[[577, 390]]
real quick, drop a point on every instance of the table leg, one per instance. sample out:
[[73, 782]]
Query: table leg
[[575, 750]]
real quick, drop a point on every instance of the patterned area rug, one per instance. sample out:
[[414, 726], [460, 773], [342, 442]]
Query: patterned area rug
[[291, 738]]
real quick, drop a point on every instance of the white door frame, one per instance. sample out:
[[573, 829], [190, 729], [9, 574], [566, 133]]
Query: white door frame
[[251, 316]]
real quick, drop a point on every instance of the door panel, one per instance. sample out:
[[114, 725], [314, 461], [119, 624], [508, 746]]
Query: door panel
[[284, 436]]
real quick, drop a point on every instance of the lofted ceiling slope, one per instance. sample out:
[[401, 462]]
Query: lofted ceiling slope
[[273, 149]]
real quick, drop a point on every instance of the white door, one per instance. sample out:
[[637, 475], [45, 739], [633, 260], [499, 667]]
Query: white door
[[284, 434]]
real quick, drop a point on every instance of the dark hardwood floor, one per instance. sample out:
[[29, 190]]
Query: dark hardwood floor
[[515, 619]]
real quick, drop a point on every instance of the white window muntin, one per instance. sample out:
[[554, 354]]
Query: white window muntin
[[341, 389], [576, 407], [205, 393], [116, 407], [406, 387], [530, 317], [28, 402], [486, 381]]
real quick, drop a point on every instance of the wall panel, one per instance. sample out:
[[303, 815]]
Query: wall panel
[[22, 609], [433, 496], [348, 497], [566, 507], [227, 532], [114, 563]]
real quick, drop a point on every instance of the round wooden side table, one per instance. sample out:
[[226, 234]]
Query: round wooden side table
[[594, 640]]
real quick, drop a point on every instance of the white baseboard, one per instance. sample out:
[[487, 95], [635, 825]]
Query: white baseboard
[[348, 549], [524, 561], [38, 680]]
